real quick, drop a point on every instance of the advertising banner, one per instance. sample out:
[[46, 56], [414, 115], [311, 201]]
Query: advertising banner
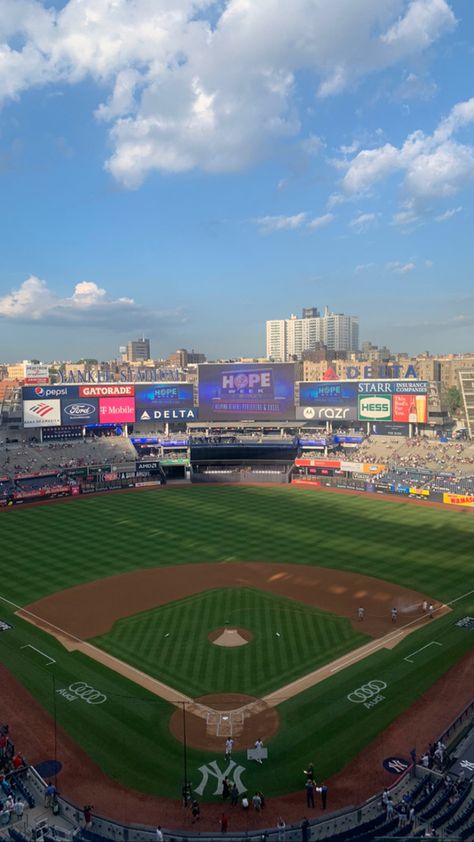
[[106, 390], [116, 410], [371, 468], [459, 500], [318, 463], [79, 412], [147, 466], [375, 408], [323, 393], [36, 375], [384, 428], [165, 402], [354, 467], [235, 392], [326, 401], [42, 413], [33, 393], [419, 492], [409, 409], [327, 413], [393, 387]]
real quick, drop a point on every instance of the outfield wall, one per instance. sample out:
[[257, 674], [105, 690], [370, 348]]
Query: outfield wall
[[375, 487]]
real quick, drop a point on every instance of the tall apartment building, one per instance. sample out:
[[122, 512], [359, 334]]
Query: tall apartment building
[[287, 339], [466, 381], [138, 350]]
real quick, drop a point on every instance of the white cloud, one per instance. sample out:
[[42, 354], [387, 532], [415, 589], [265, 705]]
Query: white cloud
[[281, 223], [400, 268], [448, 214], [434, 166], [320, 221], [269, 224], [422, 24], [89, 304], [406, 217], [362, 222], [180, 93], [364, 267]]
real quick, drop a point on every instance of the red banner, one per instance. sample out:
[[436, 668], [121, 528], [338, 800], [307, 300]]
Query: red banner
[[318, 463], [107, 390]]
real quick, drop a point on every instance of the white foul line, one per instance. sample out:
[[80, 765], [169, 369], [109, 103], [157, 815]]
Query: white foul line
[[431, 643], [42, 620], [460, 597], [29, 646]]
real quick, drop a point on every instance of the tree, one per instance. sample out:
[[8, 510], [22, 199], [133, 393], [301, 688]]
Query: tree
[[453, 399]]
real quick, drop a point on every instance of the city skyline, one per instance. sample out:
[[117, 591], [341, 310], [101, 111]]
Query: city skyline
[[231, 163]]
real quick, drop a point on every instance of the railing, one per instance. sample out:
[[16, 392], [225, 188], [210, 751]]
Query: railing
[[452, 730]]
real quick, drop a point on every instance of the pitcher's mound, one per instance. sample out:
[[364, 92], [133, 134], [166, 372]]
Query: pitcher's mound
[[211, 719], [230, 637]]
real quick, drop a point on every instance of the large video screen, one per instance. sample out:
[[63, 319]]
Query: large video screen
[[165, 402], [239, 391], [327, 401]]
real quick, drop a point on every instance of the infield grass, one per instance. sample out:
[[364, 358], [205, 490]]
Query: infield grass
[[171, 643]]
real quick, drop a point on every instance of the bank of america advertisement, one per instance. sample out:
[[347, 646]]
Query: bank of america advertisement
[[247, 391], [42, 413]]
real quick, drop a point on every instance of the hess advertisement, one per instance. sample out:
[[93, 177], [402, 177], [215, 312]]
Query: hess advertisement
[[399, 401], [240, 391], [165, 402]]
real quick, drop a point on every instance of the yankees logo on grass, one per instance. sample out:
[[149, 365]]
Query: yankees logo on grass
[[213, 770], [368, 694], [83, 691]]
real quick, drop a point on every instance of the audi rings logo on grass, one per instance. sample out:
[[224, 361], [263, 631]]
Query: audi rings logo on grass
[[368, 694], [83, 691]]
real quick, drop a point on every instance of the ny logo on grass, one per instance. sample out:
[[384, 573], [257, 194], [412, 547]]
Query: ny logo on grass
[[212, 770]]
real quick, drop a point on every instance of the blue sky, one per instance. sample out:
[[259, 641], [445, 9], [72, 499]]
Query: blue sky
[[190, 168]]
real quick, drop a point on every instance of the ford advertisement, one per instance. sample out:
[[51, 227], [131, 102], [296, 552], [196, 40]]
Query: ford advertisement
[[235, 392], [80, 411]]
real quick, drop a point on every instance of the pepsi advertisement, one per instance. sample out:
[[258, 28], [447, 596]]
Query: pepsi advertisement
[[247, 391], [165, 402]]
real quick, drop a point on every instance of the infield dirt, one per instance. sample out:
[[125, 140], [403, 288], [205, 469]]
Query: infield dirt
[[82, 612]]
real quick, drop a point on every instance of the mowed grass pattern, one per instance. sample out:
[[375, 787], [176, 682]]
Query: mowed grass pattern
[[289, 639], [427, 549], [49, 548]]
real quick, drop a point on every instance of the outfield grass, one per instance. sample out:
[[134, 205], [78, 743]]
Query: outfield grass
[[49, 548], [289, 640], [72, 542]]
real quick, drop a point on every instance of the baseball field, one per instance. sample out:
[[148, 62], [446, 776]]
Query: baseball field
[[225, 609]]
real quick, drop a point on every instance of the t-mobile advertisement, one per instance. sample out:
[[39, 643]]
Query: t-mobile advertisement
[[116, 410], [247, 391]]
